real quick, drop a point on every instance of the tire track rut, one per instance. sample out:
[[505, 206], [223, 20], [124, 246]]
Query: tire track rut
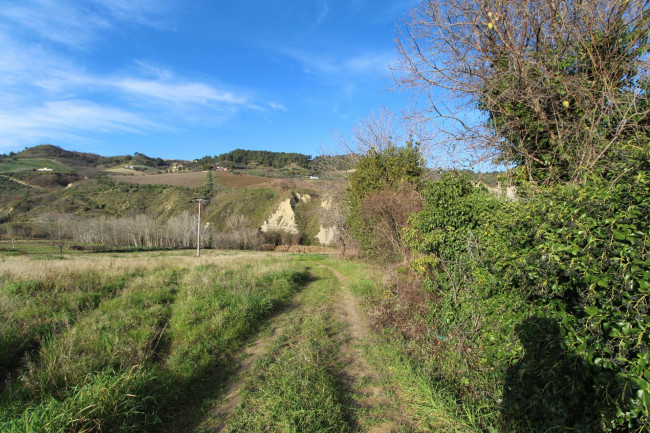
[[360, 377]]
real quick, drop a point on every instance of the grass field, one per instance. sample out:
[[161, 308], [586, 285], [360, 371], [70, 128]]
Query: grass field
[[29, 164], [115, 343], [163, 341]]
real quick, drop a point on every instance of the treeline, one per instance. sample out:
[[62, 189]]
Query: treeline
[[82, 158], [240, 158], [146, 231]]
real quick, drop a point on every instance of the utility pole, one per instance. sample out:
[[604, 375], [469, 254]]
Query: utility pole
[[199, 200]]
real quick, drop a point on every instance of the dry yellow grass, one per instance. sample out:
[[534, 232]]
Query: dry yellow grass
[[26, 268], [125, 171]]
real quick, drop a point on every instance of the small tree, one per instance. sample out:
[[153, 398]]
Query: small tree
[[384, 175]]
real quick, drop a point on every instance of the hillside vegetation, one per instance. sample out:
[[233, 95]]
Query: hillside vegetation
[[240, 158], [529, 314]]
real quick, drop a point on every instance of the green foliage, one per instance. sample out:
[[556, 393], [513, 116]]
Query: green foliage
[[387, 169], [240, 158], [567, 99], [9, 188], [588, 265], [549, 294], [454, 211], [471, 317]]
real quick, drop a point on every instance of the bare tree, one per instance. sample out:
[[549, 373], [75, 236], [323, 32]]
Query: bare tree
[[376, 131], [561, 83]]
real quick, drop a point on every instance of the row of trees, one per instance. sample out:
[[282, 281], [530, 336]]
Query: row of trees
[[147, 231]]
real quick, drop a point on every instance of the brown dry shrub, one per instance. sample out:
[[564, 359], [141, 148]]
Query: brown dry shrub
[[305, 249], [267, 247], [386, 213], [281, 238], [404, 310]]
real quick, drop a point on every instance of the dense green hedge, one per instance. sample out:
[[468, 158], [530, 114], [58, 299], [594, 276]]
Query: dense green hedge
[[542, 303]]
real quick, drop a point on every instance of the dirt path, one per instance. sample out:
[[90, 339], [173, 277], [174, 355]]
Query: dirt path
[[375, 408], [250, 354], [359, 376], [20, 182]]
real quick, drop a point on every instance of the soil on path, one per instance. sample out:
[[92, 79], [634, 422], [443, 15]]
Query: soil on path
[[250, 354], [367, 396], [359, 376]]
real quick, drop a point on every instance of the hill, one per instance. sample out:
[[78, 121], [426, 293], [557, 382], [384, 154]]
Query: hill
[[240, 158], [87, 194], [65, 161]]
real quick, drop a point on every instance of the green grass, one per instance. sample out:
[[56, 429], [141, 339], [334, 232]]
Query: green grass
[[212, 318], [9, 187], [29, 164], [121, 333], [31, 310], [432, 402], [108, 401], [125, 357], [295, 388]]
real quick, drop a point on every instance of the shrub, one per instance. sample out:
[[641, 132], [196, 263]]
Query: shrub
[[382, 176], [541, 303]]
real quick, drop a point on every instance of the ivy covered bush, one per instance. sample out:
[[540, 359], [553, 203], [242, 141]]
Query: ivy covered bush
[[541, 305], [586, 263]]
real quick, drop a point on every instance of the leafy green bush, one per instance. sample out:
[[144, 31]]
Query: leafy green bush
[[541, 305], [383, 177], [587, 263], [459, 247]]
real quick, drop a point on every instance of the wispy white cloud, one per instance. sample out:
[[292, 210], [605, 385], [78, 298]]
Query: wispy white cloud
[[46, 93], [367, 63], [135, 99], [148, 12], [277, 107], [58, 22], [324, 12], [27, 66], [68, 119], [178, 92], [370, 63], [77, 23]]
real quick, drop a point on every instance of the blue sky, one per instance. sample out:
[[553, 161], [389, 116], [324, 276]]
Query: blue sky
[[184, 79]]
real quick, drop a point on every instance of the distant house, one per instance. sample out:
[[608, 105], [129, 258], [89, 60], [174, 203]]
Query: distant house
[[176, 167], [44, 169], [220, 168], [130, 167], [313, 177]]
